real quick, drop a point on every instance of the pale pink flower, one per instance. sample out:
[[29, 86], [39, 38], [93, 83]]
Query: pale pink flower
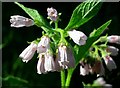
[[84, 69], [109, 63], [57, 65], [28, 53], [114, 39], [49, 62], [43, 45], [102, 70], [52, 13], [97, 68], [20, 21], [101, 83], [78, 37], [65, 57], [45, 63], [113, 50], [40, 64]]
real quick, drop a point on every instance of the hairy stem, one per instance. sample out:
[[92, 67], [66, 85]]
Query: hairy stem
[[63, 78]]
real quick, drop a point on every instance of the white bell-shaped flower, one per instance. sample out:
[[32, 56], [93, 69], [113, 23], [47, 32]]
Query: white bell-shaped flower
[[40, 64], [84, 69], [20, 21], [28, 53], [49, 61], [65, 57], [100, 82], [114, 39], [78, 37], [102, 70], [113, 50], [109, 63], [43, 45]]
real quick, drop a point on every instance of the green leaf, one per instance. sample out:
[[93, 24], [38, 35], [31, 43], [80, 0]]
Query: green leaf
[[12, 81], [81, 50], [83, 13], [39, 20]]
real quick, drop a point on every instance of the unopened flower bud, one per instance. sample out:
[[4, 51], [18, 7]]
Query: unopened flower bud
[[113, 50], [28, 53], [78, 37], [20, 21], [43, 45], [114, 39], [52, 14]]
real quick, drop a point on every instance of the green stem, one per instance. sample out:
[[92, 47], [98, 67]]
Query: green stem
[[63, 78], [69, 75], [56, 25]]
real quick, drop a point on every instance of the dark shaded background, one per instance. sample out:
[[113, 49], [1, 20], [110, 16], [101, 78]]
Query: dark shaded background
[[15, 41]]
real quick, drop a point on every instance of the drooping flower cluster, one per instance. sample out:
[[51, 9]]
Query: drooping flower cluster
[[96, 66], [64, 58], [48, 60]]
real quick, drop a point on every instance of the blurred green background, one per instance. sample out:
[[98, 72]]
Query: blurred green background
[[15, 73]]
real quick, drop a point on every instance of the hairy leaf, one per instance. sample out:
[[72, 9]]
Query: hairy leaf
[[83, 13]]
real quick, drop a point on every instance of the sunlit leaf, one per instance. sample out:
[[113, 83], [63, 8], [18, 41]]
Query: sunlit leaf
[[83, 13]]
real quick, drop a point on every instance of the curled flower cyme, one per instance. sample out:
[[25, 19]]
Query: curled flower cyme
[[28, 53], [20, 21], [78, 37], [43, 45], [52, 14], [114, 39]]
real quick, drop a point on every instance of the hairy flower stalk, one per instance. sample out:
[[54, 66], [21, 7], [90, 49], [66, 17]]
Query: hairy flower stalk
[[78, 37], [65, 57], [114, 39], [52, 14], [20, 21], [28, 53]]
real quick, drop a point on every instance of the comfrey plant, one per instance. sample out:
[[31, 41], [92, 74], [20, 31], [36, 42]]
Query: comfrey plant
[[55, 53]]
